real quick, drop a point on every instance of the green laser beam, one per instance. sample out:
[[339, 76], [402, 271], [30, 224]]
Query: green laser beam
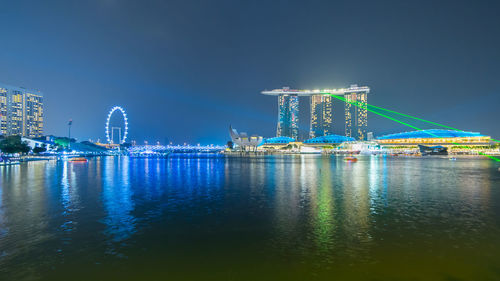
[[436, 136], [360, 104], [406, 115]]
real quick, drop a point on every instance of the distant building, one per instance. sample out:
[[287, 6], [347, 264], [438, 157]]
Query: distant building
[[21, 112], [288, 116], [356, 122], [321, 116], [356, 113], [244, 141], [369, 136], [434, 137], [49, 145], [278, 142], [328, 140], [362, 147]]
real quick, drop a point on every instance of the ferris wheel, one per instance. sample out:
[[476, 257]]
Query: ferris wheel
[[110, 130]]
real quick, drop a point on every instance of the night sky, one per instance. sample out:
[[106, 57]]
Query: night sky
[[185, 70]]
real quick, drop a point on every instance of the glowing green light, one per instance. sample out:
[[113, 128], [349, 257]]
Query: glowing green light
[[359, 104], [406, 115]]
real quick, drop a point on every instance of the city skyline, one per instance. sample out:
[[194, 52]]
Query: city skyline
[[249, 140], [86, 68]]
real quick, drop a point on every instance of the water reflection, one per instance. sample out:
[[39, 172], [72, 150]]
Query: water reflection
[[3, 219], [323, 208], [286, 196], [117, 198], [69, 196], [261, 215]]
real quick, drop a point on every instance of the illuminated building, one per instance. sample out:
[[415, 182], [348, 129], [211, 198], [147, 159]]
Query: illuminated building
[[435, 137], [288, 116], [328, 140], [356, 116], [278, 142], [3, 111], [21, 111], [243, 140], [321, 116], [33, 114], [322, 111], [361, 147], [369, 136]]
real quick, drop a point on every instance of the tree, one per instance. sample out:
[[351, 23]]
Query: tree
[[13, 144], [24, 148], [40, 149], [230, 144], [64, 141]]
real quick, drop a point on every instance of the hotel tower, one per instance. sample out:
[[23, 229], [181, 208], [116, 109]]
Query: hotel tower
[[21, 112], [321, 116], [356, 119], [288, 116], [356, 116]]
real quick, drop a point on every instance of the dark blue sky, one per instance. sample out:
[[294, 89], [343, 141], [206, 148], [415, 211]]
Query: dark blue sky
[[185, 70]]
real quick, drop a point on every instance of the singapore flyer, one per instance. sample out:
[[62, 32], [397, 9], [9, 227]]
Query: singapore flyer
[[110, 131]]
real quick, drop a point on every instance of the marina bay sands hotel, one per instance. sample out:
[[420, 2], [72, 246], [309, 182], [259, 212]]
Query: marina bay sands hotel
[[321, 111]]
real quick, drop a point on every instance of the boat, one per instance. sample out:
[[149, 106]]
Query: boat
[[78, 159], [453, 159], [350, 159]]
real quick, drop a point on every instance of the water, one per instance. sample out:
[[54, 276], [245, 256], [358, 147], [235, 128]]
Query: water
[[266, 218]]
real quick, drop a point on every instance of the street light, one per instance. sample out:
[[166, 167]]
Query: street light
[[70, 122]]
